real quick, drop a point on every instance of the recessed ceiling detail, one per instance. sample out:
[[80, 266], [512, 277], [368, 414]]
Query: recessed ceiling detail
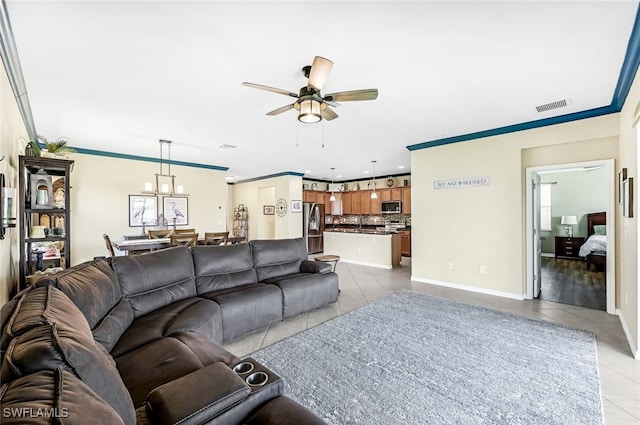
[[553, 105]]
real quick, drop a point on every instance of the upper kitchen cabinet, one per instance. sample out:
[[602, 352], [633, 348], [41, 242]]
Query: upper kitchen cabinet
[[396, 194], [365, 202], [347, 202], [406, 200]]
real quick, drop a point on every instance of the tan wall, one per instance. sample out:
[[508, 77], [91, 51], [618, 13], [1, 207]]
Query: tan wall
[[13, 139], [627, 231], [484, 226], [100, 199], [286, 187]]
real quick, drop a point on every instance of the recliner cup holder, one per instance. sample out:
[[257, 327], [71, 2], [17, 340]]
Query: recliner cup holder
[[243, 367], [257, 379]]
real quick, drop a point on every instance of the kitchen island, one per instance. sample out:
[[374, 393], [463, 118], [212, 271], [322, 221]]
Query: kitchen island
[[369, 248]]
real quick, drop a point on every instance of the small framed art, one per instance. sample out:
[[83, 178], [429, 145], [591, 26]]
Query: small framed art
[[296, 206], [143, 210], [268, 209]]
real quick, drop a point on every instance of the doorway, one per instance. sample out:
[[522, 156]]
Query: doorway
[[561, 276]]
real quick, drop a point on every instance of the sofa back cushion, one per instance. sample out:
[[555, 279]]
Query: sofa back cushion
[[279, 257], [50, 332], [222, 267], [154, 280], [92, 286], [54, 396]]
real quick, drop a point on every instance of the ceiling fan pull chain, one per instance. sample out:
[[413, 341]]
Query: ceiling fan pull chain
[[323, 135]]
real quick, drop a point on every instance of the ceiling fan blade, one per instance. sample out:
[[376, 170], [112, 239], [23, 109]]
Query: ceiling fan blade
[[320, 70], [271, 89], [347, 96], [328, 114], [281, 110]]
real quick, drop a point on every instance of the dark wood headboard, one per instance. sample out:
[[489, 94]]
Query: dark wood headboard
[[595, 219]]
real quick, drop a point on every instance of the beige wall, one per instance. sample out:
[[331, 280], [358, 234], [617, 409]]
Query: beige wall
[[287, 187], [479, 226], [100, 199], [13, 138], [627, 231]]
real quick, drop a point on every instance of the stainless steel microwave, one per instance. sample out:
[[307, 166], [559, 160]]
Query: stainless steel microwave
[[391, 207]]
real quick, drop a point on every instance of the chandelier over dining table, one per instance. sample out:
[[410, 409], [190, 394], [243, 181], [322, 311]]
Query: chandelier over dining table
[[165, 182]]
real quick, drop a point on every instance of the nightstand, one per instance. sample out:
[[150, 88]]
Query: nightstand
[[568, 247]]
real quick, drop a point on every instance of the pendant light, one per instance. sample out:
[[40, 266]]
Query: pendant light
[[374, 195], [170, 188], [332, 197]]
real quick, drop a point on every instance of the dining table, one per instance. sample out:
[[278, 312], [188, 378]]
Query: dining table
[[161, 243]]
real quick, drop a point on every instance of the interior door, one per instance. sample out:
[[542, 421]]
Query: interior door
[[537, 241]]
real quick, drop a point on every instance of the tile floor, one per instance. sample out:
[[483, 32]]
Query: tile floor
[[360, 285]]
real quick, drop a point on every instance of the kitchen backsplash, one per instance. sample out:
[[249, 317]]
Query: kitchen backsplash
[[367, 220]]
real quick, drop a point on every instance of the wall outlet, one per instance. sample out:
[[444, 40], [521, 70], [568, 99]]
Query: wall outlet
[[483, 269], [450, 266]]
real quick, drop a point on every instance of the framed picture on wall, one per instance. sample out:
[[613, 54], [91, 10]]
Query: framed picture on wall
[[176, 210], [268, 209], [143, 210], [296, 206], [622, 176], [627, 195]]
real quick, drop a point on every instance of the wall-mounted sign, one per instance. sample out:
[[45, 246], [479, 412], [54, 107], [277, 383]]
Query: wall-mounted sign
[[463, 182]]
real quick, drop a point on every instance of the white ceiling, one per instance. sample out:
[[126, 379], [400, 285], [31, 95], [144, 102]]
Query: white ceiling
[[117, 76]]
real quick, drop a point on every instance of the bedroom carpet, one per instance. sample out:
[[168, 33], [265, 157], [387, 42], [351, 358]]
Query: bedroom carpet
[[414, 359]]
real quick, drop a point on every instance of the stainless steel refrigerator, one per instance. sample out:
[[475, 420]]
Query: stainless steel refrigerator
[[313, 226]]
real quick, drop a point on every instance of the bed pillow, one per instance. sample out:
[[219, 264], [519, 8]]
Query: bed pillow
[[600, 229]]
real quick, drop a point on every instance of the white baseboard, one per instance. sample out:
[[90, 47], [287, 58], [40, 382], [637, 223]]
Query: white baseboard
[[470, 288], [633, 344], [364, 263]]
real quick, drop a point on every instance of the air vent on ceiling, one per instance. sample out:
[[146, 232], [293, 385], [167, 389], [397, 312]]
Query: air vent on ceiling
[[553, 105], [227, 146]]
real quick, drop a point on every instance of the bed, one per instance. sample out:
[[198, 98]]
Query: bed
[[594, 250]]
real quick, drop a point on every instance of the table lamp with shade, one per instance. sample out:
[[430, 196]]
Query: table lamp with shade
[[569, 221]]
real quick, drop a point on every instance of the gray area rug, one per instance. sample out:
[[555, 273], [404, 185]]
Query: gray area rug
[[415, 359]]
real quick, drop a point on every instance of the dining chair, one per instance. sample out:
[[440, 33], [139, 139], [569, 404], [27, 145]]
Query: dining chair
[[107, 241], [159, 234], [184, 239], [216, 238], [184, 231]]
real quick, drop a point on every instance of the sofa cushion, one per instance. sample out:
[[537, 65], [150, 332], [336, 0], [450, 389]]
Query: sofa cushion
[[45, 305], [44, 396], [114, 324], [157, 279], [247, 308], [50, 332], [193, 314], [222, 267], [302, 293], [166, 359], [92, 286], [273, 258]]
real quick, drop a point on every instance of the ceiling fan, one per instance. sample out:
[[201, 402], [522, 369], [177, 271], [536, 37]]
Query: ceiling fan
[[311, 104]]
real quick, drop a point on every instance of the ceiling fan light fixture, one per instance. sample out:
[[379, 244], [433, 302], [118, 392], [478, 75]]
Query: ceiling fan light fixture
[[309, 111]]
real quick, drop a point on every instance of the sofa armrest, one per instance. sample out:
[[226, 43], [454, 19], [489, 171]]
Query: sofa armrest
[[315, 267], [197, 397]]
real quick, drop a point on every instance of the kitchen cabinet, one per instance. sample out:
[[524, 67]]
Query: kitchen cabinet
[[356, 203], [405, 243], [347, 202], [396, 194], [406, 200], [375, 204], [45, 216], [365, 202], [327, 203], [384, 194]]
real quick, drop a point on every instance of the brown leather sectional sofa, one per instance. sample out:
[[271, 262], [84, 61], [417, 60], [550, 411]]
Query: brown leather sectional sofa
[[135, 339]]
